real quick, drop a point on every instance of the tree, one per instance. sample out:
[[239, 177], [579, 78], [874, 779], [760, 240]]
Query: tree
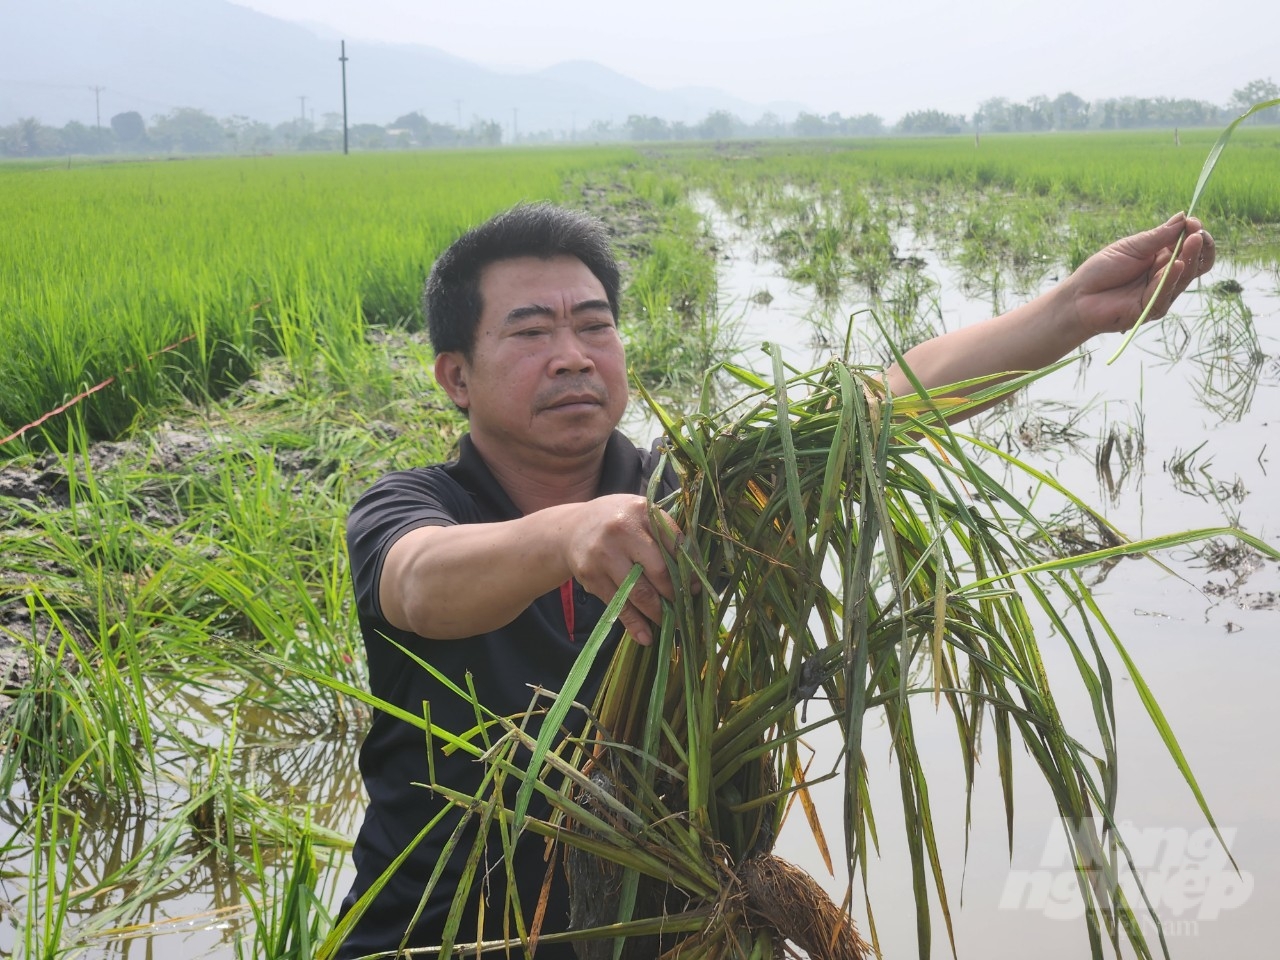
[[1104, 114], [863, 125], [290, 132], [598, 130], [1040, 113], [931, 122], [643, 127], [1019, 117], [129, 128], [1070, 112], [368, 136], [486, 133], [244, 134], [718, 125], [419, 127], [769, 125], [422, 132], [189, 130], [29, 138], [993, 116], [1257, 91], [321, 140], [682, 131], [1188, 113], [77, 137], [810, 125]]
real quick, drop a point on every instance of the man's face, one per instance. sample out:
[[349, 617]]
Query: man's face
[[547, 379]]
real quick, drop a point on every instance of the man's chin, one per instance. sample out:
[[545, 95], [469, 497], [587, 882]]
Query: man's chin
[[578, 443], [578, 436]]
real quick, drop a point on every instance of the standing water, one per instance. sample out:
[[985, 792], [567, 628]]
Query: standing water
[[1182, 432]]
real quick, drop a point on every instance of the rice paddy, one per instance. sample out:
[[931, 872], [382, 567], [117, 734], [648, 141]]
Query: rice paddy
[[174, 578]]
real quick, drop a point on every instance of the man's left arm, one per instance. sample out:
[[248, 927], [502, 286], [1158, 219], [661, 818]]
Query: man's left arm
[[1107, 293]]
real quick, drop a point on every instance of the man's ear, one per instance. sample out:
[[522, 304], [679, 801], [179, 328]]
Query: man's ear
[[452, 372]]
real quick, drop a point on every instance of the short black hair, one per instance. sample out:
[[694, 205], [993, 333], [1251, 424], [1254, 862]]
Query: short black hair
[[451, 299]]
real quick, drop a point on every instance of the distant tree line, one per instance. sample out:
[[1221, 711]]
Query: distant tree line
[[187, 130], [722, 125]]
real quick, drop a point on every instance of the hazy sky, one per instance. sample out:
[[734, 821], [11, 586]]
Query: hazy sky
[[885, 57]]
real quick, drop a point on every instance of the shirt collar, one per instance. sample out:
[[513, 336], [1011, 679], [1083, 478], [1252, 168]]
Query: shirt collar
[[620, 473]]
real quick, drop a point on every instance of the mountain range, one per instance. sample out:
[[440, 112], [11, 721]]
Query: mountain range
[[89, 59]]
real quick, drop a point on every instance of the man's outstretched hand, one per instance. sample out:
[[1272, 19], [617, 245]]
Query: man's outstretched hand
[[1110, 290], [1106, 294]]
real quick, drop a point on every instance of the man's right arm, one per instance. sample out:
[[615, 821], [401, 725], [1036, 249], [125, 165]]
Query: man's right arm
[[449, 582]]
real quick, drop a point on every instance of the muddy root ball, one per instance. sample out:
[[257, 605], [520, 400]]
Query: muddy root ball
[[785, 899]]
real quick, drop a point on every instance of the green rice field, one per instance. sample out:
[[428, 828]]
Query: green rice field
[[238, 346]]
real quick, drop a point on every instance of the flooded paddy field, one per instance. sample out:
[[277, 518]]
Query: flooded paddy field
[[1181, 433], [200, 779]]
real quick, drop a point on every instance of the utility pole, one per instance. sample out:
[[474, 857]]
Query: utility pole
[[97, 105], [343, 59], [515, 126], [302, 110], [97, 114], [458, 106]]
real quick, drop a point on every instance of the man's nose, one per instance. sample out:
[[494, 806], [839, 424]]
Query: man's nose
[[570, 354]]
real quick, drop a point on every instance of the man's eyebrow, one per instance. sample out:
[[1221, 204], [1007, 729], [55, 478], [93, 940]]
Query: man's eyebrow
[[586, 306], [540, 310], [530, 310]]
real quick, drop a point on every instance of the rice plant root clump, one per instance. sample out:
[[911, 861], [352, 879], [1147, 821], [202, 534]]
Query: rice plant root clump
[[788, 903]]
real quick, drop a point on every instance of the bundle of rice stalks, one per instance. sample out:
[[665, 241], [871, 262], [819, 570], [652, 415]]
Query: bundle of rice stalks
[[847, 550]]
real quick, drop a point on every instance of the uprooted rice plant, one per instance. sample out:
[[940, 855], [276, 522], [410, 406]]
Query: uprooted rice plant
[[848, 550]]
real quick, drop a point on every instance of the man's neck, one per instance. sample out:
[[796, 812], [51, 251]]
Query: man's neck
[[534, 486]]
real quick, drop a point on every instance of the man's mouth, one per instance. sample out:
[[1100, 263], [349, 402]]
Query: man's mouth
[[574, 401]]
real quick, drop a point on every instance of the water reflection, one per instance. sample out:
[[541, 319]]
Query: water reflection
[[1229, 358], [179, 881]]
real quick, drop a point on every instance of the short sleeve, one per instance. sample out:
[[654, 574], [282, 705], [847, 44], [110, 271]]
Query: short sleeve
[[393, 506]]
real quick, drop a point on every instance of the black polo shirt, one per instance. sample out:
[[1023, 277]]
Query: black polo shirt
[[536, 649]]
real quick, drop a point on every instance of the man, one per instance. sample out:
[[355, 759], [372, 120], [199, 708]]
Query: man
[[497, 565]]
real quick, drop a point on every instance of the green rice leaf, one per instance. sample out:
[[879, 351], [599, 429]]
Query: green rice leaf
[[1206, 172], [550, 731]]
